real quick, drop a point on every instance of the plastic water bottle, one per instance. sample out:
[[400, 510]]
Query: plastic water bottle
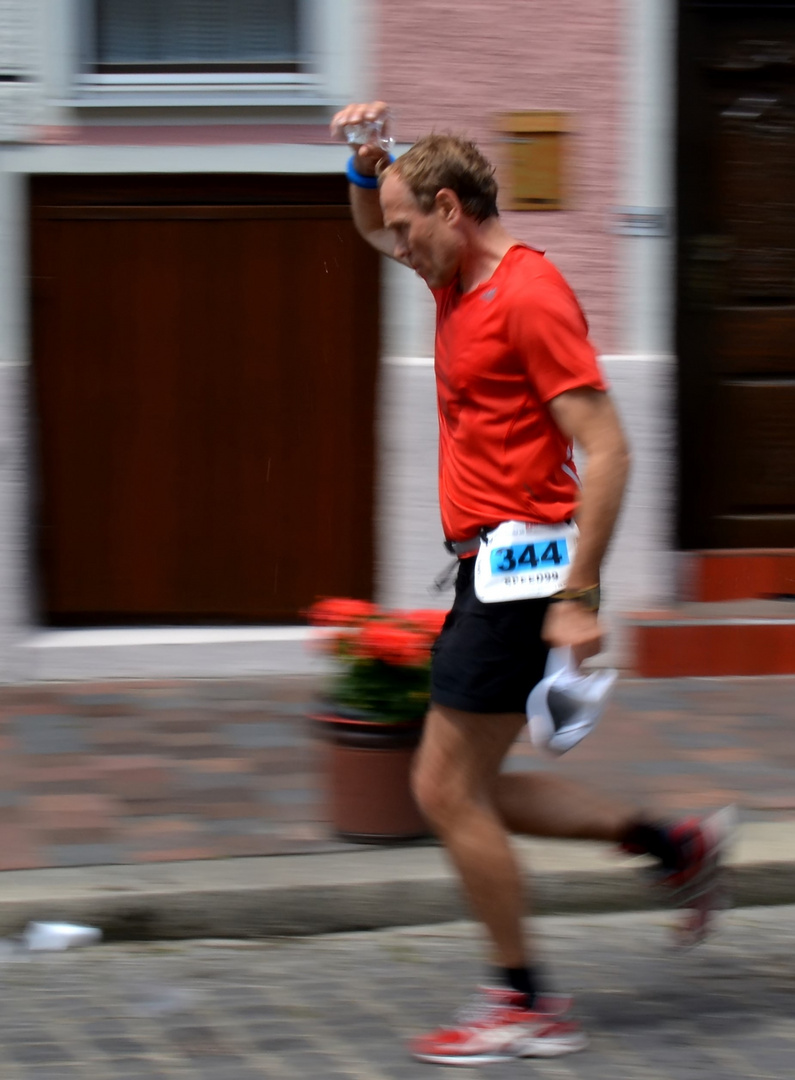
[[370, 133]]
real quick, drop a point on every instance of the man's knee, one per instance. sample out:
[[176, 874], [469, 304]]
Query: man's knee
[[457, 764], [439, 795]]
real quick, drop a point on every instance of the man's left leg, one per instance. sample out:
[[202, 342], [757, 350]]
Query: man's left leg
[[455, 774], [455, 777]]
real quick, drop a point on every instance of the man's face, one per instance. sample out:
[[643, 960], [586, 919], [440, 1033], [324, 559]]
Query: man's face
[[426, 241]]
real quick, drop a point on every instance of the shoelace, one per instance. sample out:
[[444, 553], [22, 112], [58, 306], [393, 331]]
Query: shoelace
[[477, 1010]]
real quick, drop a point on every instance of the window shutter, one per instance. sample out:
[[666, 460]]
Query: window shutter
[[196, 31], [265, 30], [127, 31]]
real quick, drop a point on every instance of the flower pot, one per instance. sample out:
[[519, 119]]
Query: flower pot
[[368, 774]]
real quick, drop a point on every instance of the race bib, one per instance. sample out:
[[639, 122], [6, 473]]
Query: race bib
[[524, 561]]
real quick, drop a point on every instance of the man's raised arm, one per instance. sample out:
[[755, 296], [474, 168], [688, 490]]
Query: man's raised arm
[[365, 163]]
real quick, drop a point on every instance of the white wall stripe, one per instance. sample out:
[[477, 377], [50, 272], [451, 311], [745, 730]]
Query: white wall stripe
[[178, 635], [608, 358]]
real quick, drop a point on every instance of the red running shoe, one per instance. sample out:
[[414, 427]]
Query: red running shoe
[[697, 885], [496, 1027]]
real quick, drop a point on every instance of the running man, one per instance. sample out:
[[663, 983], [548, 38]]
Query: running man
[[517, 382]]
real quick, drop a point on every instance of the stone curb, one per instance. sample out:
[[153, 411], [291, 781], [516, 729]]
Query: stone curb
[[363, 889]]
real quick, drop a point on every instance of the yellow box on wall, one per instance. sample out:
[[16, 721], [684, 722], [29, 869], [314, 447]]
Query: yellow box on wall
[[533, 174]]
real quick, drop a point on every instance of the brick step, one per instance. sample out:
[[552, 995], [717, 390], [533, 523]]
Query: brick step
[[740, 637], [737, 574]]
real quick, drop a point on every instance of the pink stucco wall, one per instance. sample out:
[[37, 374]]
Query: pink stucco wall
[[452, 65]]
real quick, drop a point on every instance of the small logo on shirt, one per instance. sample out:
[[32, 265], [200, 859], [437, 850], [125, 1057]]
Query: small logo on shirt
[[489, 294]]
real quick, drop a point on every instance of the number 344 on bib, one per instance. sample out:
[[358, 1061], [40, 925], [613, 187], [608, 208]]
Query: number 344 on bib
[[524, 561]]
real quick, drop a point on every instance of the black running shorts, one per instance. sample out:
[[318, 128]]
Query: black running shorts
[[488, 657]]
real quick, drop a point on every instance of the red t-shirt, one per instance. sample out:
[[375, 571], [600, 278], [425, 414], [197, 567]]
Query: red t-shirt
[[502, 352]]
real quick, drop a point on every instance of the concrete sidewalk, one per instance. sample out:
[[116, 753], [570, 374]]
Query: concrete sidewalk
[[365, 889], [195, 808]]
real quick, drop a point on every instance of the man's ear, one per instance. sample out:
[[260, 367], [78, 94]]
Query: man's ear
[[449, 205]]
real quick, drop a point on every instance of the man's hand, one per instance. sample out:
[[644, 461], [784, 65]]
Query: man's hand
[[365, 205], [569, 624], [368, 156]]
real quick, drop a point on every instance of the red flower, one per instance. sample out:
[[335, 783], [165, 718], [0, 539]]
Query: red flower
[[428, 620], [382, 658], [337, 611], [393, 644]]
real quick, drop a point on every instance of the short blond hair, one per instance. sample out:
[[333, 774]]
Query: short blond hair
[[448, 161]]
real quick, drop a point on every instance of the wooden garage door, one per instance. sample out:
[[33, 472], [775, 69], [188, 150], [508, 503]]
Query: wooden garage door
[[205, 356], [736, 332]]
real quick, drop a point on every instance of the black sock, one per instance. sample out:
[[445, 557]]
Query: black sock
[[654, 840], [523, 980]]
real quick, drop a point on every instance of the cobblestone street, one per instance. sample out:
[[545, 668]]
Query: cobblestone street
[[343, 1006]]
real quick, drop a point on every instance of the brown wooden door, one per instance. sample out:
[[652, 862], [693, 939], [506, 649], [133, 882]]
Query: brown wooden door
[[205, 356], [736, 333]]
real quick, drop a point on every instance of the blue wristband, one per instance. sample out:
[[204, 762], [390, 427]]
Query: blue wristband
[[358, 178]]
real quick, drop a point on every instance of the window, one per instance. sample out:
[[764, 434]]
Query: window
[[196, 53], [200, 51], [196, 37]]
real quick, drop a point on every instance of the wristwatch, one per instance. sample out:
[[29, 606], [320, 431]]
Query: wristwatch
[[589, 597]]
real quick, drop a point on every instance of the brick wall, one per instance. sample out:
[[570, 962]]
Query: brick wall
[[448, 65]]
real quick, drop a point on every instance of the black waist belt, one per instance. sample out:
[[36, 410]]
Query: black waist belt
[[465, 547]]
